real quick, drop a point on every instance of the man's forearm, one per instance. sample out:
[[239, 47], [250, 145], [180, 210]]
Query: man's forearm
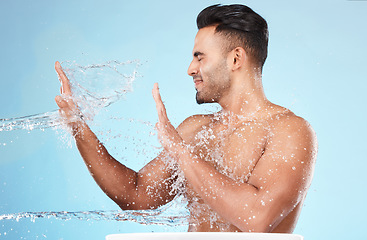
[[116, 180], [231, 199]]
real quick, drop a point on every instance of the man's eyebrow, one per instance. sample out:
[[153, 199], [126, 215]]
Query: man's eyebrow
[[196, 54]]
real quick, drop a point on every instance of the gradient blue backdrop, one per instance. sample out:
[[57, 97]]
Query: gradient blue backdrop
[[316, 67]]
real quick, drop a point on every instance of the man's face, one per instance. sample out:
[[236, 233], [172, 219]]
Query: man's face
[[209, 67]]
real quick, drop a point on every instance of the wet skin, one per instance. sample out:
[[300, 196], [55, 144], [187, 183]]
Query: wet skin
[[236, 151], [247, 168]]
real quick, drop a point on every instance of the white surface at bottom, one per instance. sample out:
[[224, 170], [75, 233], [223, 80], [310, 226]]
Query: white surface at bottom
[[203, 236]]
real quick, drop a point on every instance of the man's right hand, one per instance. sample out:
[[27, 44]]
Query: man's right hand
[[68, 108]]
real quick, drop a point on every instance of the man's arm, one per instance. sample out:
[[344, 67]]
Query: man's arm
[[278, 182], [148, 188]]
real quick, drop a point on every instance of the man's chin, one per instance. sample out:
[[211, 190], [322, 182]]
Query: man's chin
[[201, 100]]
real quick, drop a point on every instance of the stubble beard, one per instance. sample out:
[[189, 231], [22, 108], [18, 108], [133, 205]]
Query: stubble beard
[[216, 84], [201, 99]]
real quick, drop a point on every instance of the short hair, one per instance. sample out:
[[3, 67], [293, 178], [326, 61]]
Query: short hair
[[241, 26]]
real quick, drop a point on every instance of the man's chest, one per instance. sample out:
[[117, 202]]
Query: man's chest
[[233, 151]]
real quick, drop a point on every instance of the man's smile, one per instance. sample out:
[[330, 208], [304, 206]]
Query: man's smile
[[197, 81]]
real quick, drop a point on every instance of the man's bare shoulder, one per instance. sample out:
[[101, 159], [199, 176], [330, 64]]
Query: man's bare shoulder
[[292, 133], [193, 124], [291, 149], [290, 124]]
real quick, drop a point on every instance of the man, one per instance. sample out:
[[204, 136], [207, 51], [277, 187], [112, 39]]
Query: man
[[245, 168]]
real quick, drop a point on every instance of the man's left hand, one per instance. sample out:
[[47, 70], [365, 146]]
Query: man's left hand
[[167, 134]]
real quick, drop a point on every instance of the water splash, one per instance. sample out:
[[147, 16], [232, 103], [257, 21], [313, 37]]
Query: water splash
[[94, 87], [36, 121], [97, 86], [173, 214]]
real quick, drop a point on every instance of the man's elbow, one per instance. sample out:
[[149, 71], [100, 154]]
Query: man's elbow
[[255, 224], [139, 204], [258, 220], [135, 205]]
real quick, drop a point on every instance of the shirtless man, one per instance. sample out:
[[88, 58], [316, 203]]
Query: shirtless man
[[246, 168]]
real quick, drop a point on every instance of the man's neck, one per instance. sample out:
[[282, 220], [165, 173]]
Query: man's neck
[[246, 97]]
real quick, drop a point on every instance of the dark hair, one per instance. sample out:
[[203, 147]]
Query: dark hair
[[241, 26]]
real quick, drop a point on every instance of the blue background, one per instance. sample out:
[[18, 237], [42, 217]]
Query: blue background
[[315, 67]]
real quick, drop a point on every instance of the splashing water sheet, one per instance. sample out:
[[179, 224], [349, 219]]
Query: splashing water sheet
[[94, 87], [171, 214]]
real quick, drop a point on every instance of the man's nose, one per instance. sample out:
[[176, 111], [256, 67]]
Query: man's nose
[[193, 69]]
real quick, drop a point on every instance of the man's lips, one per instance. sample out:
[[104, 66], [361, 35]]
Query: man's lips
[[197, 81]]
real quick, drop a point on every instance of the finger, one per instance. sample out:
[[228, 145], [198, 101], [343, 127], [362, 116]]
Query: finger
[[161, 109], [159, 104], [65, 83], [64, 102], [61, 102]]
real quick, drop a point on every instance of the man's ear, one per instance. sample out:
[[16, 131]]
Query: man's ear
[[239, 56]]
